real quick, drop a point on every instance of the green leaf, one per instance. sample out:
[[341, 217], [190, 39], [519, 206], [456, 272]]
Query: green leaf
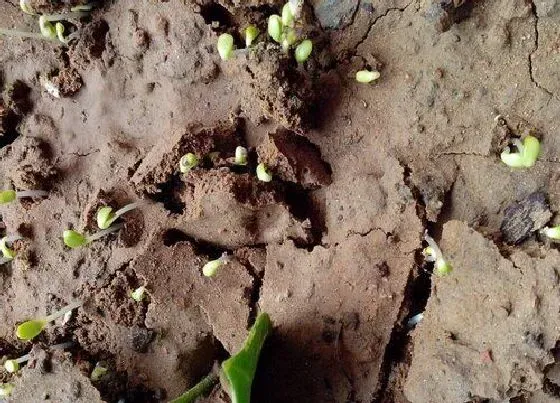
[[30, 329], [73, 239], [225, 46], [239, 370], [303, 50], [105, 217], [7, 196]]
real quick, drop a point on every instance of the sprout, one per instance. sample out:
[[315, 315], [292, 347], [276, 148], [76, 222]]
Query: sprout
[[240, 155], [296, 7], [263, 173], [526, 155], [59, 27], [106, 216], [288, 19], [99, 371], [188, 162], [251, 33], [6, 389], [239, 370], [200, 389], [552, 232], [432, 253], [14, 365], [73, 239], [138, 294], [32, 328], [25, 7], [225, 46], [82, 8], [303, 50], [366, 76], [47, 28], [275, 27], [8, 196], [211, 268], [289, 37], [8, 253]]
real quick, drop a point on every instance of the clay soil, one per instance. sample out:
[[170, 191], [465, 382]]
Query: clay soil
[[331, 248]]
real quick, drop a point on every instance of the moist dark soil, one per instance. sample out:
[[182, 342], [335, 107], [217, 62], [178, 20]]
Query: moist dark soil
[[331, 247]]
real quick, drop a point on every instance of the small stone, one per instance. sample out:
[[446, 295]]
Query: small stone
[[523, 218]]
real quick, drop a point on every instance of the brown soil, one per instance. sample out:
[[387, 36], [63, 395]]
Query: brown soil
[[331, 248]]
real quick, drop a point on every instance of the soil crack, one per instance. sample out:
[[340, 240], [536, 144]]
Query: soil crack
[[379, 17], [535, 49]]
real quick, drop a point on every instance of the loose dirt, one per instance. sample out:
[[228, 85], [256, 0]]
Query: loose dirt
[[331, 247]]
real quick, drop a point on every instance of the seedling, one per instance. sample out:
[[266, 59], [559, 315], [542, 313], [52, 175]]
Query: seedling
[[73, 239], [225, 46], [6, 389], [32, 328], [552, 232], [99, 371], [200, 389], [211, 268], [366, 76], [49, 31], [14, 365], [7, 252], [240, 155], [432, 253], [25, 7], [106, 216], [263, 174], [288, 19], [414, 320], [188, 162], [303, 50], [239, 370], [275, 27], [527, 153], [251, 33], [138, 294], [296, 7], [8, 196]]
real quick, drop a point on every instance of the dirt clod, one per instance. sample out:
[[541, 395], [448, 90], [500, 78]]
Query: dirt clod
[[524, 217]]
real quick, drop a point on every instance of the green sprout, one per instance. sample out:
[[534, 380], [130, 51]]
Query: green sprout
[[73, 239], [8, 196], [526, 155], [188, 162], [49, 31], [432, 253], [99, 371], [263, 173], [13, 365], [7, 252], [275, 27], [303, 50], [289, 38], [366, 76], [251, 33], [225, 46], [239, 370], [200, 389], [106, 217], [32, 328], [288, 19], [211, 268], [552, 232], [6, 389], [138, 294], [25, 7], [240, 155]]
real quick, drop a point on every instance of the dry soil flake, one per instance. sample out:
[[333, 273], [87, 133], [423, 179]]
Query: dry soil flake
[[488, 328], [334, 310]]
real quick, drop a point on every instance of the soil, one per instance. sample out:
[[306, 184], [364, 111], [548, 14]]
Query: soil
[[331, 247]]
